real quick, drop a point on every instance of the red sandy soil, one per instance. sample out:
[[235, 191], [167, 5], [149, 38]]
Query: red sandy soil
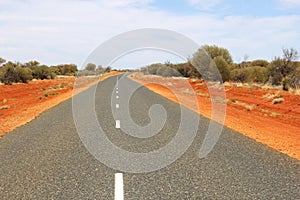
[[21, 103], [249, 110]]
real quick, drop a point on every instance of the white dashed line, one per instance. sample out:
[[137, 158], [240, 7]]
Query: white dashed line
[[117, 92], [117, 97], [117, 106], [119, 191], [118, 124]]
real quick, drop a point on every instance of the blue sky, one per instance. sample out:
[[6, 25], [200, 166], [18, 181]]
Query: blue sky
[[254, 8], [67, 31]]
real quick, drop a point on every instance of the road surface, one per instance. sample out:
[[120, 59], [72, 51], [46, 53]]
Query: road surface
[[46, 159]]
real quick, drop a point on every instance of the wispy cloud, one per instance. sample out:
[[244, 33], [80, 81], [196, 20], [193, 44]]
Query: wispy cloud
[[204, 4], [61, 31], [289, 4]]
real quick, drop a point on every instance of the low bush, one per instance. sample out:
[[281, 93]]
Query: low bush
[[295, 79], [9, 75], [24, 74], [42, 72]]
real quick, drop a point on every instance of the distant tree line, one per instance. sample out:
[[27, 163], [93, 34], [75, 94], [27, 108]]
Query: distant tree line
[[284, 71], [13, 72], [92, 69]]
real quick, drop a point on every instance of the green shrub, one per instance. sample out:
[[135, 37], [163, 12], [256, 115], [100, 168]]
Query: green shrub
[[167, 72], [187, 70], [24, 74], [261, 63], [9, 75], [240, 75], [250, 75], [68, 69], [154, 68], [223, 68], [90, 67], [42, 72], [257, 74], [214, 51], [295, 79]]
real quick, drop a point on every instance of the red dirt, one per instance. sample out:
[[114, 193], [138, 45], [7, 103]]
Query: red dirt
[[21, 103], [249, 111]]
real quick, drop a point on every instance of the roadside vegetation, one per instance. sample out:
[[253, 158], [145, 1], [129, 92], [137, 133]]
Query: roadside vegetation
[[92, 70], [282, 71], [14, 72]]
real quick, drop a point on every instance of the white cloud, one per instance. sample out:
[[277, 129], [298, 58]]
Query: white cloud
[[60, 31], [204, 4], [289, 4], [122, 3]]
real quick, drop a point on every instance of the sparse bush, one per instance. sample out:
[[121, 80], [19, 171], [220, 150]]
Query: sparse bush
[[167, 72], [295, 79], [24, 74], [68, 69], [9, 75], [187, 70], [204, 64], [281, 70], [223, 68], [90, 67], [42, 72], [100, 70], [154, 68], [257, 74], [261, 63], [240, 75], [215, 51]]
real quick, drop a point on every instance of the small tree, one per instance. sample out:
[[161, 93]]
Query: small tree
[[203, 63], [100, 69], [274, 72], [215, 51], [295, 78], [69, 69], [290, 54], [282, 69], [32, 64], [90, 67], [223, 68]]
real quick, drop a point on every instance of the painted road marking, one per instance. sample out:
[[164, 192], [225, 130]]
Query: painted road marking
[[118, 124], [119, 191], [117, 106], [117, 92], [117, 97]]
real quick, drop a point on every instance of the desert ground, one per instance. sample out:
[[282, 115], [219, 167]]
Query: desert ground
[[21, 103], [268, 115]]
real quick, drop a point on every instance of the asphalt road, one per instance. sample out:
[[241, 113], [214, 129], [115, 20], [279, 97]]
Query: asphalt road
[[46, 158]]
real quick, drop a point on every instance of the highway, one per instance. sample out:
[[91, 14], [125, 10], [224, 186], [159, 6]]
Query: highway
[[63, 155]]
